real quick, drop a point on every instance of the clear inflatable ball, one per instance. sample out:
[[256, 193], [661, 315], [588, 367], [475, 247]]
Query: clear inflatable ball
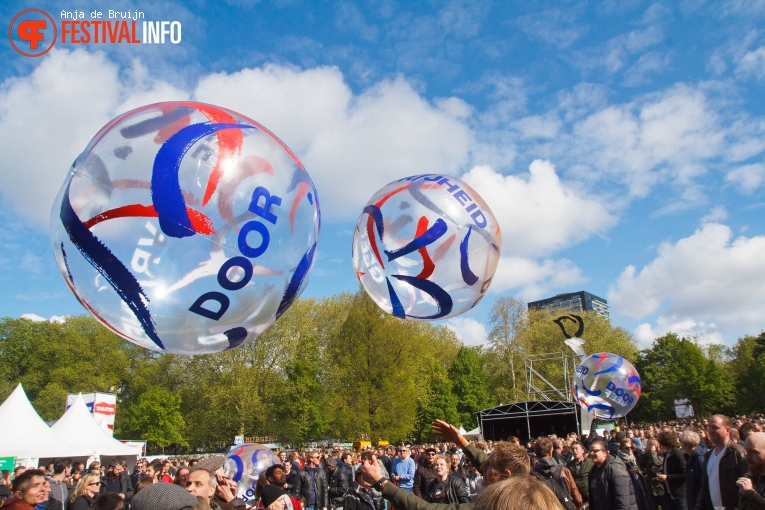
[[244, 464], [607, 385], [186, 228], [426, 247]]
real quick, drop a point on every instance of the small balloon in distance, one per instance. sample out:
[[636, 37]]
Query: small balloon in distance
[[607, 385], [426, 247], [244, 465]]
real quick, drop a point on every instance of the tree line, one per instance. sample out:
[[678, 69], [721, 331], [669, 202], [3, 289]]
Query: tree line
[[339, 368]]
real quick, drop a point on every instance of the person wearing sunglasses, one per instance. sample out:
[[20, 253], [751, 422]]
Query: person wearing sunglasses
[[610, 483], [86, 491]]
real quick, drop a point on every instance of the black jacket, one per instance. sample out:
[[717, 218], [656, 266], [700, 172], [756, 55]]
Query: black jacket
[[755, 498], [339, 485], [694, 475], [676, 468], [611, 486], [581, 474], [126, 485], [422, 477], [732, 467], [83, 502], [359, 499], [452, 490], [303, 487]]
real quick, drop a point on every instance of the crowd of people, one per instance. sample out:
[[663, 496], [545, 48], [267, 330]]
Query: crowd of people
[[711, 464]]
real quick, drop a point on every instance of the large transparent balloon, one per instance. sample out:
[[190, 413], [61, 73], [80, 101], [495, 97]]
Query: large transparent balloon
[[244, 464], [607, 385], [186, 228], [426, 247]]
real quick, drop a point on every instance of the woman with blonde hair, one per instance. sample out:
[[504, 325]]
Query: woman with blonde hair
[[86, 491], [517, 493]]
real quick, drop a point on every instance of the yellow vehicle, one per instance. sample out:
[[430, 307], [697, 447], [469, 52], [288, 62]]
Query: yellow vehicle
[[383, 443], [360, 445]]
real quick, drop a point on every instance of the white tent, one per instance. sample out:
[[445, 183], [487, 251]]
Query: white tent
[[473, 434], [79, 427], [25, 436]]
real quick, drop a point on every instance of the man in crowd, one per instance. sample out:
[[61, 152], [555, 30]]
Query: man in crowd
[[118, 481], [138, 472], [404, 469], [506, 460], [312, 484], [555, 475], [610, 485], [154, 470], [580, 467], [203, 483], [387, 459], [276, 475], [32, 488], [60, 489], [723, 466], [425, 472], [361, 496], [694, 451], [339, 483], [557, 451], [752, 486]]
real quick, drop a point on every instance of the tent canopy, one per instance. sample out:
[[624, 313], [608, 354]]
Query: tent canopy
[[473, 434], [26, 436], [79, 427]]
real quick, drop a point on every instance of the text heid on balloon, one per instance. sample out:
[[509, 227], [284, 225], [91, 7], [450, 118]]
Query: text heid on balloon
[[458, 193]]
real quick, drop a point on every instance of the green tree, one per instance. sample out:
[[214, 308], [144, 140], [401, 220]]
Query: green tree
[[437, 403], [157, 414], [378, 364], [748, 363], [470, 385], [54, 359], [676, 368], [302, 405], [504, 357]]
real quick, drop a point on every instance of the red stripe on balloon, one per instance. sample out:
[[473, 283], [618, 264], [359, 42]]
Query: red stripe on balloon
[[427, 264], [201, 223], [370, 223], [301, 192]]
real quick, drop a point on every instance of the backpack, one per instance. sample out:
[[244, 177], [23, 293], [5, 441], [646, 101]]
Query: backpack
[[558, 484]]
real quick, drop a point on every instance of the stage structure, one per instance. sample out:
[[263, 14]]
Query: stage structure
[[550, 407]]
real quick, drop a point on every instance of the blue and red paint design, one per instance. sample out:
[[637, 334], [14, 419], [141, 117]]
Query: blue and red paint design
[[177, 218], [425, 235]]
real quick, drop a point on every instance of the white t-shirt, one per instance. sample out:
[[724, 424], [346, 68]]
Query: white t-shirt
[[713, 472]]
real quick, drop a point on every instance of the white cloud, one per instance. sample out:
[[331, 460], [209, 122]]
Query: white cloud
[[47, 119], [538, 213], [533, 279], [667, 136], [753, 63], [469, 331], [716, 215], [706, 277], [747, 178], [646, 333], [351, 145], [58, 319]]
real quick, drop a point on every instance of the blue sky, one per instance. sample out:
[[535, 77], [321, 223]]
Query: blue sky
[[620, 144]]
